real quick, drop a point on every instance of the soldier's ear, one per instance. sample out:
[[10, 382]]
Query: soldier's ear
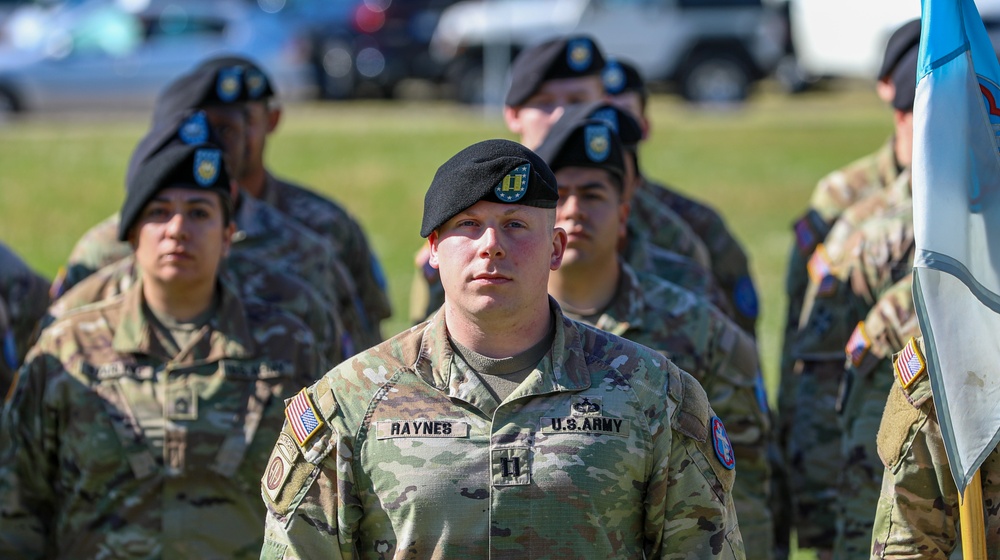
[[432, 249], [273, 118]]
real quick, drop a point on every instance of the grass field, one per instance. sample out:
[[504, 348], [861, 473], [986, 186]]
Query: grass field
[[757, 165]]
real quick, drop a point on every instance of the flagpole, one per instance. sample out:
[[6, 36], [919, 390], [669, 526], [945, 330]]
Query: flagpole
[[972, 523]]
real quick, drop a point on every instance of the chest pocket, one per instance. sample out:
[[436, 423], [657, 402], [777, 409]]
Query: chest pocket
[[230, 401]]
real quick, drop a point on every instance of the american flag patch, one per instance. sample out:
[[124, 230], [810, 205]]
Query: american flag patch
[[909, 364], [302, 418], [804, 236], [819, 271], [858, 345]]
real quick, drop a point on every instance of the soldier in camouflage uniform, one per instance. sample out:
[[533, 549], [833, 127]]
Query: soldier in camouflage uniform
[[814, 338], [917, 512], [139, 425], [729, 263], [595, 286], [194, 106], [320, 214], [252, 280], [501, 428], [24, 295], [547, 82], [885, 330]]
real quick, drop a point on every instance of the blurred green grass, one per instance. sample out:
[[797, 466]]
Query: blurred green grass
[[757, 164]]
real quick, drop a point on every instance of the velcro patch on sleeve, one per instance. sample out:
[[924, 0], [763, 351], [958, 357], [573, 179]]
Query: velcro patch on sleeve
[[303, 419], [820, 272], [287, 475], [858, 345], [895, 430]]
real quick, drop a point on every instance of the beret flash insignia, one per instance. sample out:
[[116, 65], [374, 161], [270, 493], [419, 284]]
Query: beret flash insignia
[[228, 84], [613, 78], [598, 142], [579, 54], [206, 166], [194, 130], [514, 186], [255, 83]]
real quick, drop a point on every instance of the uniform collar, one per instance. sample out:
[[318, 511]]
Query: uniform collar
[[229, 330], [624, 312], [564, 368]]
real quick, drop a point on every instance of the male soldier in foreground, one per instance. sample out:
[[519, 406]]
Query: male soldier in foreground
[[500, 428], [24, 295], [139, 426], [626, 89], [594, 285]]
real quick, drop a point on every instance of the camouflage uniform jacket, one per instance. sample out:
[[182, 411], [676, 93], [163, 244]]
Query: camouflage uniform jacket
[[605, 451], [254, 282], [665, 228], [24, 295], [112, 448], [700, 340], [891, 322], [917, 513], [332, 222], [263, 234], [730, 264]]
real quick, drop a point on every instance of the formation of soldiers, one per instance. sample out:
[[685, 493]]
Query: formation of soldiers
[[178, 368]]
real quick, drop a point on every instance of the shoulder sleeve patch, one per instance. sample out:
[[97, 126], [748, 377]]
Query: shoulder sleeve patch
[[899, 422], [909, 364], [287, 476], [697, 421]]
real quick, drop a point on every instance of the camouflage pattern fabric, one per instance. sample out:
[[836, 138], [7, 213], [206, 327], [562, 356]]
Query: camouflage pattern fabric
[[885, 330], [111, 448], [265, 235], [605, 451], [24, 295], [700, 340], [729, 263], [917, 512], [333, 223], [253, 282], [864, 243], [663, 227]]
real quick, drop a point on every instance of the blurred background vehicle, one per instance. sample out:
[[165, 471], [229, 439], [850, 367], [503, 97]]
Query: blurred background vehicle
[[830, 41], [369, 47], [115, 54], [705, 50]]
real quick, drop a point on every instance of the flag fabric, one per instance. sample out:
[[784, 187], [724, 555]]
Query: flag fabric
[[302, 417], [956, 204]]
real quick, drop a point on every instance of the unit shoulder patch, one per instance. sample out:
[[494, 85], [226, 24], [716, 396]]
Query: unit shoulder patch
[[303, 420]]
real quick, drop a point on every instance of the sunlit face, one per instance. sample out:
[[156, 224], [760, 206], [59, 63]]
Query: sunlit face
[[494, 259], [904, 137], [591, 211], [180, 237], [533, 120], [229, 123]]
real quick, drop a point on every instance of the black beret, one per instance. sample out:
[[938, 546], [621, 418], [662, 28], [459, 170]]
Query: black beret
[[573, 56], [904, 38], [904, 79], [622, 122], [620, 77], [583, 143], [223, 80], [189, 127], [493, 170], [196, 166]]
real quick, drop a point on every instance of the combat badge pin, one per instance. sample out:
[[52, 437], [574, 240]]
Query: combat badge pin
[[206, 166], [597, 139], [514, 186], [723, 447]]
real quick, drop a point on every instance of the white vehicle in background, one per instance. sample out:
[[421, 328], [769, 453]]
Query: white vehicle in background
[[708, 50], [847, 38]]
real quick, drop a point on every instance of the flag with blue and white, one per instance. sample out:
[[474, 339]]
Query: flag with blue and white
[[956, 203]]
